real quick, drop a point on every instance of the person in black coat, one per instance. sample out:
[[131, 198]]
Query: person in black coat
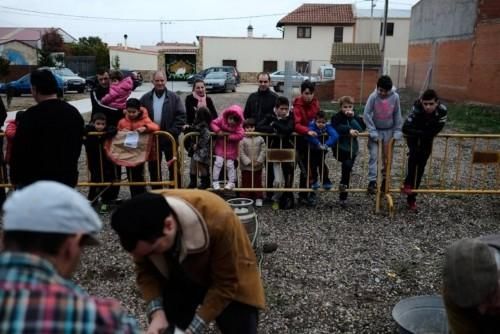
[[100, 167], [424, 122], [49, 136], [198, 98], [3, 170]]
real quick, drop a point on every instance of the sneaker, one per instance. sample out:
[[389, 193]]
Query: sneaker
[[229, 186], [275, 206], [406, 189], [103, 209], [372, 187], [269, 247], [342, 188], [315, 185], [327, 185], [216, 185], [412, 206], [343, 203], [258, 202]]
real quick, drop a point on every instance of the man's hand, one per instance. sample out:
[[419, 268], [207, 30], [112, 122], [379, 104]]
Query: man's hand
[[158, 323]]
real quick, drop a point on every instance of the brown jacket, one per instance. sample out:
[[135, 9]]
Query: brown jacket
[[215, 252]]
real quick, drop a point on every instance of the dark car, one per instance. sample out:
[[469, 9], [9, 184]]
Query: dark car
[[91, 81], [23, 86], [220, 82], [203, 74]]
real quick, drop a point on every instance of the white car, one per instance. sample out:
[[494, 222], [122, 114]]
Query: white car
[[278, 80]]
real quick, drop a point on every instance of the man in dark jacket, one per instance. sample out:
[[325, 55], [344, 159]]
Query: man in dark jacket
[[166, 109], [112, 115], [3, 176], [49, 136], [425, 121], [259, 106]]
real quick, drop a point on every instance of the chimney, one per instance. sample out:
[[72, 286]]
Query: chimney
[[249, 31], [125, 39]]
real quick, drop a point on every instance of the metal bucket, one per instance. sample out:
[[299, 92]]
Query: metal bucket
[[421, 314], [243, 207]]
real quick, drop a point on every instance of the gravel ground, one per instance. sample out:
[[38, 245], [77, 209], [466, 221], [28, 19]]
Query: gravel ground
[[336, 270]]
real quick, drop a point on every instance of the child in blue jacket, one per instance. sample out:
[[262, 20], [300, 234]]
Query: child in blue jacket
[[325, 137]]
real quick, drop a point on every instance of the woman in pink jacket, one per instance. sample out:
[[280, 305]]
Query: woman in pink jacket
[[119, 91], [229, 130]]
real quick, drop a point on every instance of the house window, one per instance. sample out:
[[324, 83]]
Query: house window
[[302, 66], [390, 28], [270, 66], [303, 32], [229, 62], [338, 36]]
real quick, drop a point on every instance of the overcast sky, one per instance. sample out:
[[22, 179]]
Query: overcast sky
[[27, 13]]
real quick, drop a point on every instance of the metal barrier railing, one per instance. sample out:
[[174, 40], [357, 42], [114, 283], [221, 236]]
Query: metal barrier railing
[[457, 164]]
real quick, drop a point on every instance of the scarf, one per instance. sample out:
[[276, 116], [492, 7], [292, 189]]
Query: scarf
[[202, 100]]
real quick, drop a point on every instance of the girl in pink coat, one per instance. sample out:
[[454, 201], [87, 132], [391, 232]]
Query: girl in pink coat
[[229, 130], [119, 91]]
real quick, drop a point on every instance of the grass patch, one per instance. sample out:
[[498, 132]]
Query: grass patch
[[474, 118]]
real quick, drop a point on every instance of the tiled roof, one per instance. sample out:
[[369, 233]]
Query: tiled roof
[[355, 53], [30, 34], [319, 14]]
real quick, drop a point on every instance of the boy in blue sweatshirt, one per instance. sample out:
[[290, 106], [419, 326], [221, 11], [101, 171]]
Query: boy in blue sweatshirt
[[318, 145], [383, 121]]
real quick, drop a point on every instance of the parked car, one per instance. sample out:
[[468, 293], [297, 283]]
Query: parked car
[[278, 80], [203, 74], [71, 80], [23, 86], [220, 81], [91, 81]]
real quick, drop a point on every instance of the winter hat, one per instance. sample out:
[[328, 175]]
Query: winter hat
[[470, 272]]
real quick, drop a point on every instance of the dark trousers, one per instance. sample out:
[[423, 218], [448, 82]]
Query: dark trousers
[[182, 296], [303, 162], [246, 182], [318, 166], [110, 173], [136, 174], [419, 152], [347, 160]]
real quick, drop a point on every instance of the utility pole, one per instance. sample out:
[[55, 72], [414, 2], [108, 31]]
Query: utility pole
[[384, 32]]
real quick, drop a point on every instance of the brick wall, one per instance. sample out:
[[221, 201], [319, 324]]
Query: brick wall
[[348, 82], [325, 90], [463, 69]]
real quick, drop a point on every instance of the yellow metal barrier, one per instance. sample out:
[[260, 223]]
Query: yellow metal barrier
[[458, 164]]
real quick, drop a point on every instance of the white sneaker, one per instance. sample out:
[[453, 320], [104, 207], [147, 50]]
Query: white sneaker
[[216, 185], [229, 186], [258, 202]]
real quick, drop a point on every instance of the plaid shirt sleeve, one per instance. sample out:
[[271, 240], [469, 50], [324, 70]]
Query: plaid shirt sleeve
[[154, 305], [197, 325]]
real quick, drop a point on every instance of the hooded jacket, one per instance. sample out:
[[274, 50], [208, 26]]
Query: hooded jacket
[[118, 93], [142, 120], [304, 113], [421, 124], [383, 114], [344, 125], [227, 146], [328, 130]]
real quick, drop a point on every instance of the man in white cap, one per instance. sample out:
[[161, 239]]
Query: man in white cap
[[471, 288], [45, 227]]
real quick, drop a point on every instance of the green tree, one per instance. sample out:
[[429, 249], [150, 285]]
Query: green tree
[[90, 46], [52, 41]]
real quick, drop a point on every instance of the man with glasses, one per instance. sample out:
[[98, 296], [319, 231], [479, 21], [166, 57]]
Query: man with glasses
[[425, 121], [471, 285], [45, 227]]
